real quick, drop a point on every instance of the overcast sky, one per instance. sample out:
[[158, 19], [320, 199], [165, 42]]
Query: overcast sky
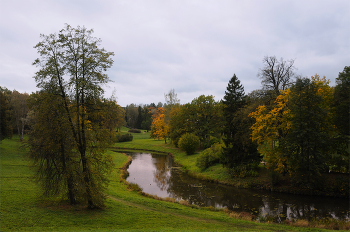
[[194, 47]]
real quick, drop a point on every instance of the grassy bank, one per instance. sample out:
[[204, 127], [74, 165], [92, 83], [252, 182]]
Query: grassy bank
[[23, 209]]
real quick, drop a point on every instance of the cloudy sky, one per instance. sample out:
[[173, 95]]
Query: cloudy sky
[[192, 46]]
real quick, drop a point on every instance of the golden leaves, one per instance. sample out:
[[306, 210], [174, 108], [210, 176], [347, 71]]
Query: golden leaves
[[159, 128]]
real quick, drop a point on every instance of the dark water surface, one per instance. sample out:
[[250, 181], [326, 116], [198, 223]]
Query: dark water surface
[[157, 175]]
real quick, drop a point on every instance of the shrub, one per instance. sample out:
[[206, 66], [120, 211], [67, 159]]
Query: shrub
[[211, 141], [124, 138], [134, 131], [189, 143], [209, 156], [245, 170]]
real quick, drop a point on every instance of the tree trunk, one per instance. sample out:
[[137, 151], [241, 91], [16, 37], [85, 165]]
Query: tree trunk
[[87, 181], [68, 175]]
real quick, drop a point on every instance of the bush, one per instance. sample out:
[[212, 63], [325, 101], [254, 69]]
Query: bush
[[124, 138], [245, 170], [212, 140], [188, 143], [209, 156], [134, 131]]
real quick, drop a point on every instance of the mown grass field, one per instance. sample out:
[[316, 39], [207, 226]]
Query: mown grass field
[[23, 208]]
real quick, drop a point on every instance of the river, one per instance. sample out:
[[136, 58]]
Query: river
[[157, 175]]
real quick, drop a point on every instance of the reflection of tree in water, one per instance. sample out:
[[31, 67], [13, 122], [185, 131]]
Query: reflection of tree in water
[[280, 206], [161, 173], [208, 194], [300, 207]]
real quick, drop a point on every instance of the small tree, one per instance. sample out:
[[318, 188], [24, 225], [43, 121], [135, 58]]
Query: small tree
[[189, 143], [159, 129]]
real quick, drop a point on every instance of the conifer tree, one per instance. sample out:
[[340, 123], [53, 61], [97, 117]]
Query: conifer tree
[[237, 151]]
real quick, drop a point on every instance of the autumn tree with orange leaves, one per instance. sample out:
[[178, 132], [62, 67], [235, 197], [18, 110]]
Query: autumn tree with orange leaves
[[159, 128], [295, 135]]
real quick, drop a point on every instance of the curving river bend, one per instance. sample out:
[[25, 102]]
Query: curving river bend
[[157, 175]]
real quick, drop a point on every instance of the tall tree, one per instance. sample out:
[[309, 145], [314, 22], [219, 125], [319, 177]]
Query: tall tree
[[147, 118], [276, 74], [171, 102], [307, 142], [72, 66], [131, 115], [342, 102], [139, 118], [19, 111], [340, 157], [207, 119], [295, 135], [171, 98], [238, 150], [269, 128], [5, 126]]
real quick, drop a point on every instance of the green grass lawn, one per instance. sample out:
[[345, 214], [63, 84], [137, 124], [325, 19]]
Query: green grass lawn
[[23, 208]]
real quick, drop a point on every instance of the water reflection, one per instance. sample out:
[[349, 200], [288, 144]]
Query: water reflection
[[157, 175]]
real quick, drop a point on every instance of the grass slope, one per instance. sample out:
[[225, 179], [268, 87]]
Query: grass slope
[[23, 209]]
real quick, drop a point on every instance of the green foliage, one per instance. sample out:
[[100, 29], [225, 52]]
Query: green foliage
[[19, 111], [147, 118], [307, 141], [342, 102], [239, 150], [124, 137], [340, 157], [5, 126], [210, 141], [189, 143], [209, 156], [245, 170], [202, 117], [131, 115], [51, 148], [134, 131], [139, 117], [72, 68]]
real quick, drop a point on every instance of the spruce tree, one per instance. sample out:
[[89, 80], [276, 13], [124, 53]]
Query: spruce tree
[[238, 152]]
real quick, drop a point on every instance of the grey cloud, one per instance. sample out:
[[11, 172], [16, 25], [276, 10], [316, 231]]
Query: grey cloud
[[192, 46]]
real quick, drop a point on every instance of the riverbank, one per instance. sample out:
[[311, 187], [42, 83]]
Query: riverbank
[[335, 185], [23, 209]]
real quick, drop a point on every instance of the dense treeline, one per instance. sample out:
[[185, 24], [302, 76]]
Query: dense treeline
[[14, 113], [296, 126]]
